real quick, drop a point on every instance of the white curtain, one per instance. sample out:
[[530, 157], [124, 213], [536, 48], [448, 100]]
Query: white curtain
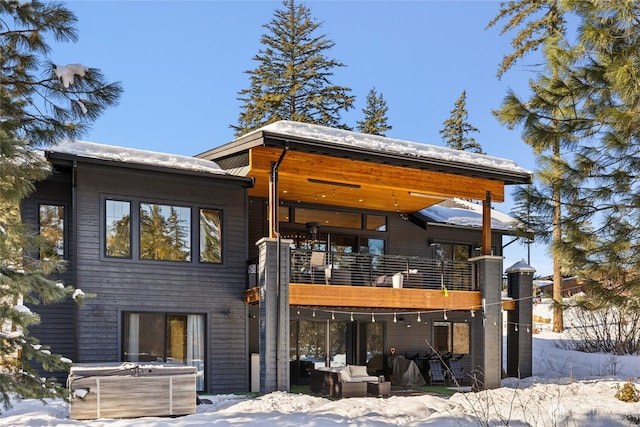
[[195, 346], [133, 346]]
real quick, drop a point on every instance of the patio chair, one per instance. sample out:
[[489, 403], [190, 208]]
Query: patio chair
[[318, 263], [455, 372], [436, 372]]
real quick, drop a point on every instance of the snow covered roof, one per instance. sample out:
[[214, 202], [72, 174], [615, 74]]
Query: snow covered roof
[[389, 145], [466, 214], [132, 156]]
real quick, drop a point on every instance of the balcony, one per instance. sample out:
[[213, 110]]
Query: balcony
[[380, 282], [389, 271]]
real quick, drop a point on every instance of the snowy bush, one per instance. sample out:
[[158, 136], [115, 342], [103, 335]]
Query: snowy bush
[[602, 326]]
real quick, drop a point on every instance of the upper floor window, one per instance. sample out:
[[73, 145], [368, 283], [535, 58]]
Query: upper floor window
[[118, 229], [210, 236], [51, 228], [376, 222], [163, 232], [453, 252]]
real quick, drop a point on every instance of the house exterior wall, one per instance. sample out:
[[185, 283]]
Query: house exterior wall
[[120, 285], [56, 327]]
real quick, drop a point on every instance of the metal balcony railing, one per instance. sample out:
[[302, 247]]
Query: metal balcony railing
[[381, 270]]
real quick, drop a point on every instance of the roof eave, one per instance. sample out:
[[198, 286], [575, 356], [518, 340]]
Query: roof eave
[[55, 157], [275, 139]]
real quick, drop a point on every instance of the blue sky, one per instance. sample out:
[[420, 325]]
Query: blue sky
[[182, 64]]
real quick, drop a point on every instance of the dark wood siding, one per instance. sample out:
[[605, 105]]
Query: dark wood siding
[[258, 227], [138, 285], [56, 327]]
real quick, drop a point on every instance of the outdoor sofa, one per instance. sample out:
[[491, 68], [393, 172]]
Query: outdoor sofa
[[343, 381]]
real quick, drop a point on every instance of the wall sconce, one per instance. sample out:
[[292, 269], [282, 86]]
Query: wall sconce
[[312, 229]]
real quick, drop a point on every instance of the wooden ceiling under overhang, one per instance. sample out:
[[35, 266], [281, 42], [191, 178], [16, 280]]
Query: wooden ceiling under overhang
[[323, 179]]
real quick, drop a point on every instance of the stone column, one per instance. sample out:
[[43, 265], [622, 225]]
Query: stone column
[[273, 317], [519, 327], [487, 357]]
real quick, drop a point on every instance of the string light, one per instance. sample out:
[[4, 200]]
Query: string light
[[472, 312], [395, 202]]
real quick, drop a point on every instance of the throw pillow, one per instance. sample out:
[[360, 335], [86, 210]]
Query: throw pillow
[[358, 371]]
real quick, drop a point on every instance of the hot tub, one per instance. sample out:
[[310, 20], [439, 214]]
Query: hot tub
[[131, 389]]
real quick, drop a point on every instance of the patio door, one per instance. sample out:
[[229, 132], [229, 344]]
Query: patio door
[[315, 344], [165, 337]]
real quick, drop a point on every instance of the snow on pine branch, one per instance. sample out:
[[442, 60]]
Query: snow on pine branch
[[67, 73]]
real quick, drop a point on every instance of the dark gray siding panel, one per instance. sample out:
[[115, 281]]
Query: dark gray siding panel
[[129, 285], [56, 328], [258, 227]]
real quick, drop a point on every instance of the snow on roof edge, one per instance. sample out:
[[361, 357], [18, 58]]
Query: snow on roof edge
[[386, 144], [467, 214], [92, 150]]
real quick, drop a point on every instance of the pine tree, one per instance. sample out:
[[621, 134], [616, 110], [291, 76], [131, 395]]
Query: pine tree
[[457, 128], [603, 213], [35, 111], [588, 107], [293, 78], [375, 115], [546, 29]]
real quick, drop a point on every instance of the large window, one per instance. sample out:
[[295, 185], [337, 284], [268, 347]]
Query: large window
[[165, 337], [51, 228], [165, 232], [162, 232]]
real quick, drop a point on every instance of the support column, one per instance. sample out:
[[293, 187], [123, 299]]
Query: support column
[[273, 317], [487, 357], [519, 328]]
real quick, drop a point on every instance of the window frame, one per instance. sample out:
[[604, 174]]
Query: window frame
[[65, 222], [190, 239], [135, 232], [105, 228], [451, 338]]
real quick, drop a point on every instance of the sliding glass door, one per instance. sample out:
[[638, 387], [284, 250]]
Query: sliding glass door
[[165, 337]]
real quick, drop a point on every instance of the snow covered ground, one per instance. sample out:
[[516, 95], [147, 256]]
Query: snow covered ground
[[568, 389]]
